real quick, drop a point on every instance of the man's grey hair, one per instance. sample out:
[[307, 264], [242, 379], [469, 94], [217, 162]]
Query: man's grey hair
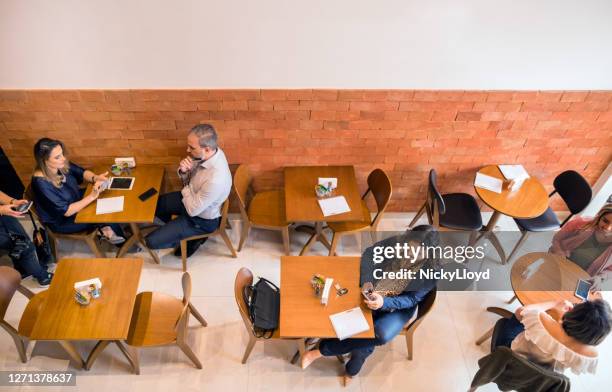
[[207, 136]]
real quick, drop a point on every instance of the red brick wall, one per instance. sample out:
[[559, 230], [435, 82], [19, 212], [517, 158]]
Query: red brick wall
[[404, 132]]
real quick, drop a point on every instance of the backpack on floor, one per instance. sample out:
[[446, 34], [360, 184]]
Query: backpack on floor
[[263, 303]]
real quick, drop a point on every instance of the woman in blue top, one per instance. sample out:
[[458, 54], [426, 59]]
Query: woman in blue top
[[57, 196], [390, 312]]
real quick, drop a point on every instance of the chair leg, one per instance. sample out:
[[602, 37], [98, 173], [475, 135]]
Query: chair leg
[[409, 344], [374, 236], [93, 245], [484, 337], [184, 254], [54, 245], [19, 343], [131, 357], [249, 348], [520, 242], [286, 243], [190, 354], [197, 315], [244, 234], [511, 299], [334, 244], [473, 237], [417, 216], [226, 238]]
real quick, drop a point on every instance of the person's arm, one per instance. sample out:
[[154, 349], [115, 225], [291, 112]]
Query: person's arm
[[568, 230], [90, 176], [562, 307], [7, 204], [408, 299], [77, 206], [195, 203]]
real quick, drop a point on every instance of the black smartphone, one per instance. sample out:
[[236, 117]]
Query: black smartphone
[[147, 194], [582, 289], [23, 208]]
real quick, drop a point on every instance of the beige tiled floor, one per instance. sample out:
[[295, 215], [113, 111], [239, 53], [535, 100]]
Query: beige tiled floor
[[445, 353]]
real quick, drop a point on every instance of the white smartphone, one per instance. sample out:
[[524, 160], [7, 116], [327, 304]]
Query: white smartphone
[[582, 289]]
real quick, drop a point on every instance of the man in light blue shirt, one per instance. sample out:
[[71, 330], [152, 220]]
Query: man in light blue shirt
[[207, 182]]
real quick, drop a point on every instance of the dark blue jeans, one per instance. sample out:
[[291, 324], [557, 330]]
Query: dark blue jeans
[[27, 263], [184, 226], [508, 330], [387, 325]]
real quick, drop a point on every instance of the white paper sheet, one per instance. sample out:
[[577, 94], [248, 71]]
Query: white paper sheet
[[109, 204], [325, 181], [513, 172], [334, 205], [349, 323], [489, 183]]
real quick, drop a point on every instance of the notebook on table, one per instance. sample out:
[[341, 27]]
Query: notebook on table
[[334, 206], [349, 323]]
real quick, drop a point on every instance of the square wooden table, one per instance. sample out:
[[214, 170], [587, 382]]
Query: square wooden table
[[301, 312], [135, 211], [106, 318], [301, 200]]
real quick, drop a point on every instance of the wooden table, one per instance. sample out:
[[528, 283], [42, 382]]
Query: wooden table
[[106, 318], [529, 201], [301, 312], [135, 211], [555, 280], [301, 201]]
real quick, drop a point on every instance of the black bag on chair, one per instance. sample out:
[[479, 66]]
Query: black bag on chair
[[40, 238], [263, 302]]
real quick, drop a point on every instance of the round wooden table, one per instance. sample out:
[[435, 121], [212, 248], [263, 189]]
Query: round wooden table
[[529, 201], [554, 280]]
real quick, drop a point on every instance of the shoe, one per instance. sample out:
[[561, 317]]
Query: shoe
[[114, 239], [46, 281], [192, 247]]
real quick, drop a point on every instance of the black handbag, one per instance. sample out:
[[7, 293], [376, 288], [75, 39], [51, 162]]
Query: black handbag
[[40, 238], [263, 303]]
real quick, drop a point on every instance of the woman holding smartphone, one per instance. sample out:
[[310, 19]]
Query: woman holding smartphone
[[390, 312], [57, 196], [588, 243], [567, 339]]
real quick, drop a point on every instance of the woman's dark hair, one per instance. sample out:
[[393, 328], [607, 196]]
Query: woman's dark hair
[[588, 322], [426, 234], [42, 152]]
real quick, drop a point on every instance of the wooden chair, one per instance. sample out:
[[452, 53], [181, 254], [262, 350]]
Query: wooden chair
[[423, 309], [574, 190], [10, 281], [89, 237], [220, 232], [264, 210], [245, 278], [380, 186], [159, 319]]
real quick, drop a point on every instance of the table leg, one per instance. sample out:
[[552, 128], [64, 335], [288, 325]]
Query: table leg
[[490, 235], [318, 235], [136, 237], [100, 346], [73, 353]]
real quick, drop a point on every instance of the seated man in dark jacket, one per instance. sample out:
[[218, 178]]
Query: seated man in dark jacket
[[392, 308]]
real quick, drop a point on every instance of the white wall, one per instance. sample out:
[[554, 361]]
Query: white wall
[[445, 44]]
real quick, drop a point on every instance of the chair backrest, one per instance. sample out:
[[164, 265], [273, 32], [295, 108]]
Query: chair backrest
[[242, 181], [182, 321], [244, 278], [424, 308], [510, 370], [380, 186], [435, 203], [10, 280], [574, 190]]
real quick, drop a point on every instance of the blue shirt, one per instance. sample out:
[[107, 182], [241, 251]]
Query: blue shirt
[[51, 203]]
